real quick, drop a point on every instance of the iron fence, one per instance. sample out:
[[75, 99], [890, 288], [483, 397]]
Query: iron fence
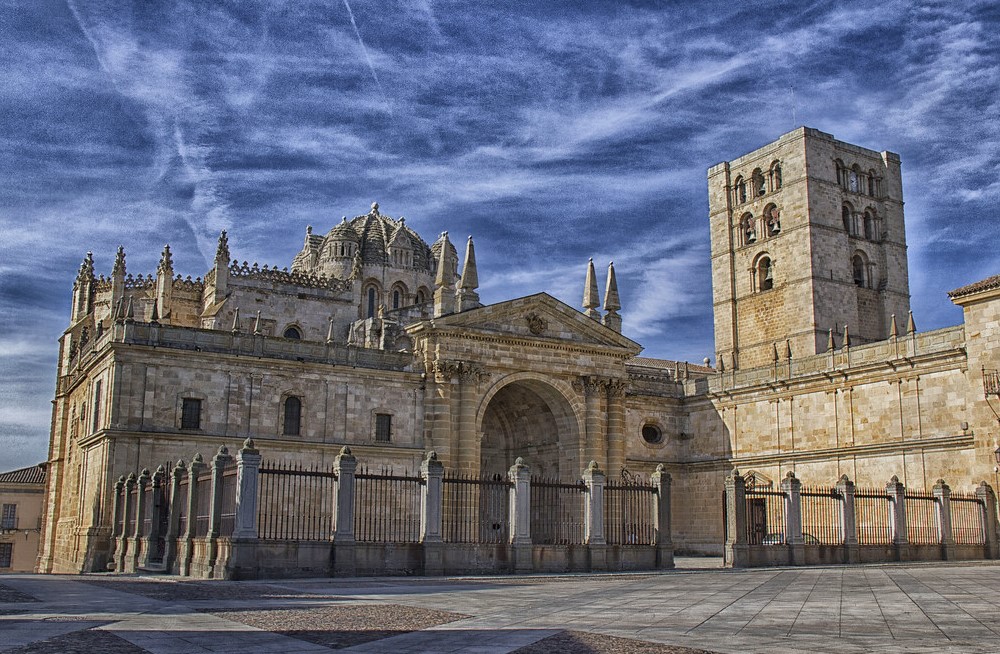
[[765, 516], [476, 510], [557, 512], [130, 511], [967, 512], [821, 516], [628, 512], [387, 507], [204, 500], [872, 511], [294, 502], [147, 513], [182, 505], [227, 516], [921, 518]]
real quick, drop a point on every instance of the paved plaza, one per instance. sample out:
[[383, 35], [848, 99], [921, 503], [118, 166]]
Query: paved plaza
[[844, 609]]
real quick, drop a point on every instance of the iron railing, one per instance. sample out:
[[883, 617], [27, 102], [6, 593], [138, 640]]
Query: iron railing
[[204, 500], [765, 517], [294, 502], [872, 511], [476, 510], [227, 516], [967, 513], [821, 516], [557, 512], [628, 512], [387, 507], [921, 518]]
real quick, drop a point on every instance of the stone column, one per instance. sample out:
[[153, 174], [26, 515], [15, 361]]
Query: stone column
[[174, 520], [117, 516], [185, 547], [792, 488], [127, 514], [431, 500], [662, 517], [218, 464], [593, 518], [897, 513], [520, 516], [848, 520], [595, 445], [150, 544], [616, 426], [247, 481], [942, 497], [468, 442], [736, 549], [988, 506], [345, 466], [135, 553]]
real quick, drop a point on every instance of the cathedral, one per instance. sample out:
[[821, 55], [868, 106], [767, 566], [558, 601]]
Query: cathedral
[[374, 339]]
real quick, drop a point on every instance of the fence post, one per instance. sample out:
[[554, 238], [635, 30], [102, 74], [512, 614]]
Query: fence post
[[736, 550], [792, 489], [520, 515], [247, 480], [942, 497], [897, 513], [988, 507], [149, 541], [117, 526], [431, 501], [129, 510], [174, 520], [136, 551], [186, 549], [219, 463], [848, 520], [593, 517], [661, 517], [343, 513]]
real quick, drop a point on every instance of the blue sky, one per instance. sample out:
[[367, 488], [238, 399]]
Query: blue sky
[[552, 132]]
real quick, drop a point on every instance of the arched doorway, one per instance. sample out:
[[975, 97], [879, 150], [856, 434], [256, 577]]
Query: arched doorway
[[532, 419]]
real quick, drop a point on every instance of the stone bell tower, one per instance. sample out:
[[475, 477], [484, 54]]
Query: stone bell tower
[[807, 237]]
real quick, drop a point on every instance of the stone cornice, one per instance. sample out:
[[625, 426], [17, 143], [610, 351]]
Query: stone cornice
[[460, 333]]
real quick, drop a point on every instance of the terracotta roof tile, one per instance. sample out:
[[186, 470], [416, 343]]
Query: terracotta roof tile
[[982, 285], [31, 475]]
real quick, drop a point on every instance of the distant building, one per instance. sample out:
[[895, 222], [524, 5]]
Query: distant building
[[22, 494], [374, 339]]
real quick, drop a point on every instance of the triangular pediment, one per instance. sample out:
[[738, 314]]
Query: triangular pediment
[[535, 317]]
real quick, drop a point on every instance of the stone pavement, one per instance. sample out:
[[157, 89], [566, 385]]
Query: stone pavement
[[888, 608]]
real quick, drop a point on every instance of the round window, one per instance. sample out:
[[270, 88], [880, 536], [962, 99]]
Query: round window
[[651, 434]]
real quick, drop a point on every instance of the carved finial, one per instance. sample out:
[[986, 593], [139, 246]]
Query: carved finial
[[119, 268], [432, 456], [222, 250], [591, 300], [788, 349], [236, 321], [249, 447], [847, 337], [375, 207], [309, 230], [519, 461], [830, 345], [166, 265], [611, 300], [443, 277], [256, 325], [660, 468], [893, 333], [775, 347], [329, 331], [155, 317], [86, 268], [593, 465], [790, 475], [197, 458], [470, 276], [844, 478], [894, 479], [911, 327], [346, 451]]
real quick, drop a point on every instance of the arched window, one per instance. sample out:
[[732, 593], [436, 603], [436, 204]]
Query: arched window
[[739, 191], [872, 185], [869, 225], [858, 265], [758, 183], [395, 299], [847, 215], [748, 232], [371, 302], [775, 176], [765, 274], [854, 180], [772, 221], [420, 296], [292, 332], [292, 423]]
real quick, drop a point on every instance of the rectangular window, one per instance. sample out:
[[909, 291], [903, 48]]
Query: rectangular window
[[97, 406], [383, 427], [9, 518], [191, 413], [6, 554]]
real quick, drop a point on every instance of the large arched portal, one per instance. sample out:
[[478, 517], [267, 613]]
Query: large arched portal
[[530, 418]]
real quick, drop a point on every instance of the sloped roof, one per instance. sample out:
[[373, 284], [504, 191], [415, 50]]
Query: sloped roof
[[31, 475], [983, 285], [669, 364]]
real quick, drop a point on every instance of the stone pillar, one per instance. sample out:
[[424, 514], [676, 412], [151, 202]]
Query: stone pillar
[[128, 513], [213, 567], [345, 466], [736, 549], [988, 506], [662, 517], [117, 525], [593, 518], [595, 445], [792, 488], [897, 513], [616, 426], [135, 552], [150, 543], [848, 519], [174, 520], [247, 481], [431, 501], [520, 516], [185, 549], [942, 497], [467, 442]]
